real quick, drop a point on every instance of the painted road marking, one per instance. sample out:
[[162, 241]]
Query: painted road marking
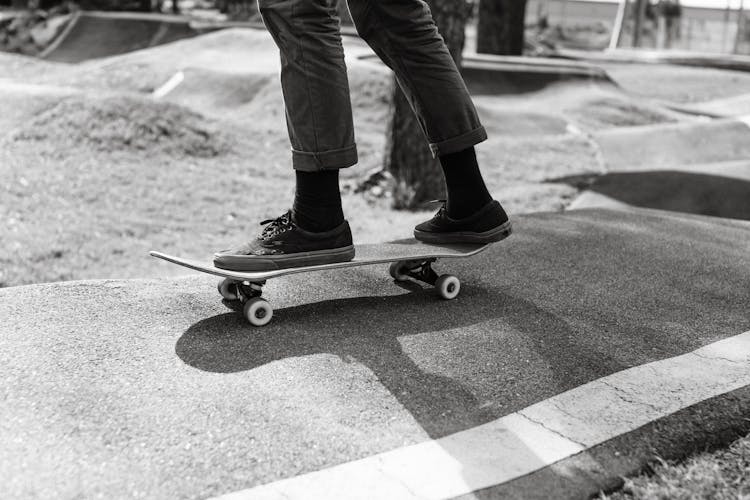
[[530, 439], [169, 85], [745, 119]]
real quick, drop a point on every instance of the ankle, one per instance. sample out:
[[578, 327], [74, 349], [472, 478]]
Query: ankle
[[317, 201], [465, 205], [467, 192]]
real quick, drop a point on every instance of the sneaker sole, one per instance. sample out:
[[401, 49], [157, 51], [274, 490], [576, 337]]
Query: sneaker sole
[[246, 263], [493, 235]]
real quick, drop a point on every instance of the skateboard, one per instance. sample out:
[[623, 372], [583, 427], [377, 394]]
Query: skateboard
[[408, 259]]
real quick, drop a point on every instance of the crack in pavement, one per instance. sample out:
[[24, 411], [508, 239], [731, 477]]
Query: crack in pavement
[[558, 433], [719, 358], [379, 468], [623, 394], [563, 410]]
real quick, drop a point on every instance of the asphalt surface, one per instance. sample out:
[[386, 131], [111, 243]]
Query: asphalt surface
[[152, 389]]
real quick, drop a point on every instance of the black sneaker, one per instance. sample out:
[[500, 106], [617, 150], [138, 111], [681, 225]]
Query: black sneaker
[[488, 225], [283, 244]]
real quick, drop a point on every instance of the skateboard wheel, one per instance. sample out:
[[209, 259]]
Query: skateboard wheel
[[227, 289], [397, 271], [448, 286], [258, 311]]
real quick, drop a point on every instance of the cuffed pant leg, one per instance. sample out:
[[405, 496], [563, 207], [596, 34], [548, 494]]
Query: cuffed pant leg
[[324, 160], [314, 82], [404, 35]]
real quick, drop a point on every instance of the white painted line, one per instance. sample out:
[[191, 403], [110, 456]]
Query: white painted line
[[528, 440], [169, 86], [573, 129], [745, 119]]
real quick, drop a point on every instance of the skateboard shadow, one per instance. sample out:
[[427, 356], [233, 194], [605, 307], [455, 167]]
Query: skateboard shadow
[[368, 329]]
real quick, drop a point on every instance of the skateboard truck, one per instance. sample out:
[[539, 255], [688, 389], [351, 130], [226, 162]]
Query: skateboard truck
[[256, 309], [447, 285]]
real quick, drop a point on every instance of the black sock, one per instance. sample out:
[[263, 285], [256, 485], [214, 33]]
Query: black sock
[[317, 201], [466, 190]]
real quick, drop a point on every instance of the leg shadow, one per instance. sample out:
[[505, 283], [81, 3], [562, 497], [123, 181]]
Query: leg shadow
[[368, 329]]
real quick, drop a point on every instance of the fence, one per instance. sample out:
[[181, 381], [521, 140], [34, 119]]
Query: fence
[[589, 24]]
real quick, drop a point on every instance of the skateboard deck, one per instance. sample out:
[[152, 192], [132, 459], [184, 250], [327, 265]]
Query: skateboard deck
[[409, 258]]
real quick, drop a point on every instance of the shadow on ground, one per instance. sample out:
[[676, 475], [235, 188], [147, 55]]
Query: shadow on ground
[[571, 297], [344, 328], [672, 190], [372, 330]]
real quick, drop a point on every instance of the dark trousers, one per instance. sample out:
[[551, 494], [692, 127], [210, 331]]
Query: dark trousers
[[316, 89]]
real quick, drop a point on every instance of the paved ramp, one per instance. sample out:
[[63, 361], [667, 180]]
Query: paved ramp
[[674, 145], [92, 35], [718, 190], [127, 388], [728, 107], [698, 168]]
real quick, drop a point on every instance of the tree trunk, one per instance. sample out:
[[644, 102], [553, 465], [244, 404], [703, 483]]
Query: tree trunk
[[418, 177], [640, 17], [500, 27]]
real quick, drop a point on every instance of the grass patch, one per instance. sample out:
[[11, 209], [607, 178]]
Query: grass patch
[[721, 474]]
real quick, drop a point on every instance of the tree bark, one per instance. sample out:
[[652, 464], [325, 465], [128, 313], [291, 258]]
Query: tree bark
[[500, 27], [640, 19], [417, 175]]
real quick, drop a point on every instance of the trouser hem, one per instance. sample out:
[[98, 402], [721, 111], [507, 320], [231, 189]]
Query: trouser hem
[[458, 143], [325, 160]]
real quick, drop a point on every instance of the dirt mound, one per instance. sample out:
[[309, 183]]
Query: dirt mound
[[607, 112], [503, 122], [21, 102], [213, 91], [724, 107], [591, 107], [678, 84], [121, 123]]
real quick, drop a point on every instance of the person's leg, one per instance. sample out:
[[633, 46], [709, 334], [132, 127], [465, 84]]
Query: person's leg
[[403, 34], [318, 107], [467, 192], [314, 82], [319, 121]]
